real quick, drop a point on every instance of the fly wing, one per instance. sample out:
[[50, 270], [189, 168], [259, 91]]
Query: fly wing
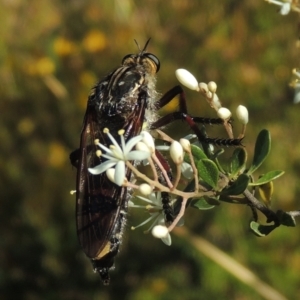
[[99, 201], [97, 198]]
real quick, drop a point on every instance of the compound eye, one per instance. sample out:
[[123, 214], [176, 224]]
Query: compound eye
[[154, 59], [126, 59]]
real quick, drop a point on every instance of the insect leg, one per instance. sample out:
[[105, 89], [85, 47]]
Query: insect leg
[[182, 114]]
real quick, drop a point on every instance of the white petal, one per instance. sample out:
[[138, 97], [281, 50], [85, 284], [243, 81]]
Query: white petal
[[137, 155], [131, 143], [102, 167], [187, 79], [118, 148], [111, 158], [141, 146], [107, 150], [187, 170], [285, 9], [148, 200], [167, 240], [119, 173], [147, 220], [156, 198], [130, 203], [123, 140], [110, 173]]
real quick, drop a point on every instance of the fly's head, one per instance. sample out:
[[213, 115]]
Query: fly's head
[[147, 60]]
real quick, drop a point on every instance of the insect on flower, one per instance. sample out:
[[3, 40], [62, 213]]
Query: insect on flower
[[123, 100]]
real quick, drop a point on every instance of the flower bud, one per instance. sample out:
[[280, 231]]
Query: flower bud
[[145, 189], [160, 231], [141, 146], [203, 87], [148, 140], [242, 114], [176, 152], [224, 113], [187, 79], [212, 86], [186, 145], [216, 102]]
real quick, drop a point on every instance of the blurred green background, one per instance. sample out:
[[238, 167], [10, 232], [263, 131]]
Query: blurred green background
[[51, 54]]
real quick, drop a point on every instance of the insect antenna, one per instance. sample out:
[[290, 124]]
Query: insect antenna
[[145, 47]]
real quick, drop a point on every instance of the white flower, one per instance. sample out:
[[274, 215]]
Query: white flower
[[116, 156], [155, 208]]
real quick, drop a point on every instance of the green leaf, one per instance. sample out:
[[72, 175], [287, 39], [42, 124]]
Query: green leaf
[[265, 178], [197, 153], [266, 191], [286, 219], [262, 149], [238, 186], [204, 203], [208, 171], [238, 161], [261, 230]]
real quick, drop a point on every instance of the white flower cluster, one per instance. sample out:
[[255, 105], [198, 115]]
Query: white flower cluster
[[209, 92], [118, 159], [286, 5], [122, 156], [117, 156], [155, 208]]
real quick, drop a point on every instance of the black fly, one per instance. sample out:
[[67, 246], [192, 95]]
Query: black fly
[[124, 99]]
